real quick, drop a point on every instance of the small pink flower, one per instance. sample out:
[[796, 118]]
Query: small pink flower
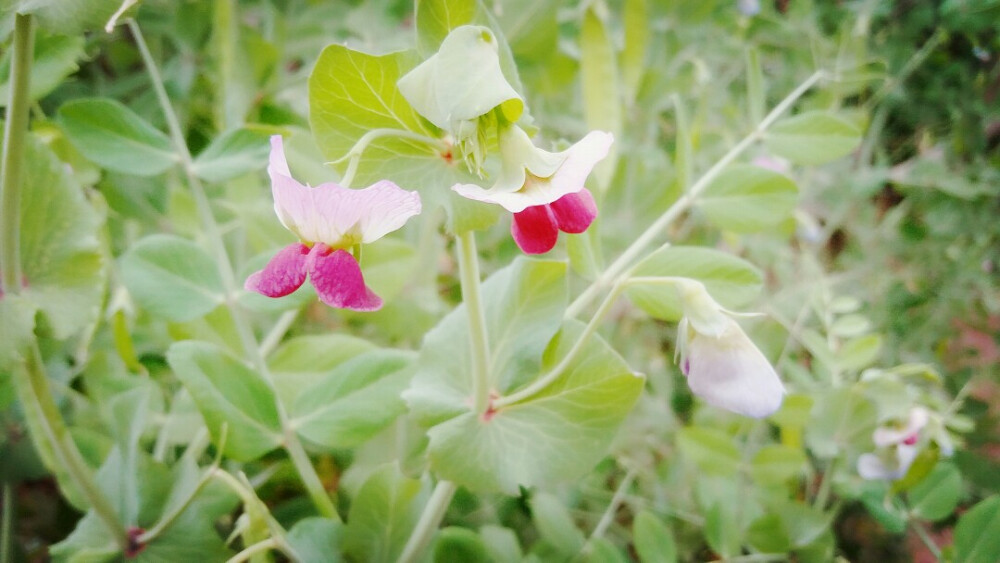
[[329, 220], [543, 190]]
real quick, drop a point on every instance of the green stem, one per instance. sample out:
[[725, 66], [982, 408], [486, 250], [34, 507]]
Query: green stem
[[293, 446], [429, 521], [468, 266], [616, 500], [259, 547], [540, 384], [7, 525], [358, 149], [38, 397], [15, 131], [926, 538], [611, 275]]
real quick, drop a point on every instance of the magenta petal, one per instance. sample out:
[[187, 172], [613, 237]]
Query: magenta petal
[[283, 274], [534, 229], [338, 281], [574, 212]]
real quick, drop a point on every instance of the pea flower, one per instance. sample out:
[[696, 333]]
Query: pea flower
[[897, 448], [330, 221], [722, 364], [543, 190]]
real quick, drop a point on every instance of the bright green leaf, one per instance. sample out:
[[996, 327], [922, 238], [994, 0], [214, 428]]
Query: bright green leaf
[[231, 154], [767, 534], [722, 531], [302, 361], [813, 138], [436, 18], [351, 403], [502, 544], [776, 464], [556, 435], [936, 497], [860, 352], [316, 539], [228, 393], [524, 305], [382, 516], [730, 280], [459, 544], [172, 277], [54, 59], [977, 534], [746, 199], [116, 138], [555, 525], [713, 451], [69, 17], [61, 261], [654, 542]]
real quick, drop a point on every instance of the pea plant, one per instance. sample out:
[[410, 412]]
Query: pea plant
[[522, 280]]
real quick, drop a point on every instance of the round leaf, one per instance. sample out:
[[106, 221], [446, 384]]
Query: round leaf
[[977, 534], [813, 138], [747, 199]]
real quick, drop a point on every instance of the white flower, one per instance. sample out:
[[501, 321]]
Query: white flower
[[722, 364], [897, 448]]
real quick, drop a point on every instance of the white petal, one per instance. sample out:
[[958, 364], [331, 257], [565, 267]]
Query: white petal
[[888, 435], [730, 372], [870, 466], [568, 178]]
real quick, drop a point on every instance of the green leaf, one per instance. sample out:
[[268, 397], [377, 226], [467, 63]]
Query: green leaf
[[16, 331], [555, 525], [302, 361], [767, 534], [859, 352], [69, 17], [172, 277], [531, 29], [731, 281], [316, 539], [502, 544], [936, 497], [382, 516], [722, 531], [775, 464], [602, 100], [654, 542], [353, 402], [813, 138], [459, 544], [61, 260], [436, 18], [115, 137], [977, 534], [233, 153], [54, 59], [711, 450], [461, 82], [747, 199], [556, 435], [229, 393], [524, 305], [600, 550], [842, 419]]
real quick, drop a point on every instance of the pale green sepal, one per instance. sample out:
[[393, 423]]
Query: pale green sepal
[[461, 82], [703, 313]]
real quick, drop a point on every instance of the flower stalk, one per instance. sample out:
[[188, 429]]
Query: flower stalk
[[429, 520], [296, 451], [468, 265]]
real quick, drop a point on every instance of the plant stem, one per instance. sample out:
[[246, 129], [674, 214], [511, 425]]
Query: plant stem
[[611, 275], [430, 519], [37, 396], [293, 446], [13, 151], [926, 538], [468, 266], [616, 500], [7, 524], [259, 547], [277, 332], [553, 374]]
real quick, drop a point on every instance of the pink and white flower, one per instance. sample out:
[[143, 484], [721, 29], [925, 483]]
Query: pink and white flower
[[723, 366], [898, 447], [330, 221], [545, 191]]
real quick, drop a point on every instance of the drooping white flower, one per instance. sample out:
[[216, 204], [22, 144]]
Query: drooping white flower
[[723, 366], [898, 447]]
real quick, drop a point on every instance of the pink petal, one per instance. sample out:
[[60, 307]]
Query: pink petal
[[283, 274], [335, 215], [337, 278], [534, 229], [574, 212]]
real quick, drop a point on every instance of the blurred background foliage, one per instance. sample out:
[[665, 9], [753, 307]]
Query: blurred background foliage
[[885, 284]]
